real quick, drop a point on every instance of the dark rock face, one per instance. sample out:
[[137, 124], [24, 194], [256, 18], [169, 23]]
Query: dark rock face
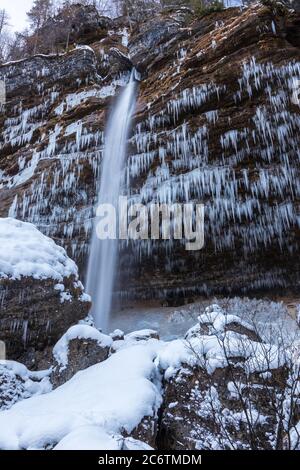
[[82, 353], [33, 316], [295, 4], [31, 124], [76, 23], [216, 123], [147, 431], [23, 78]]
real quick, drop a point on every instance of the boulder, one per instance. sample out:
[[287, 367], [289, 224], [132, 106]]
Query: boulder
[[41, 295], [80, 347], [76, 23]]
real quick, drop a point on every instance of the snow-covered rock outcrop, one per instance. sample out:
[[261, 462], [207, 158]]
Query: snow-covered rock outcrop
[[79, 348], [40, 291], [26, 252]]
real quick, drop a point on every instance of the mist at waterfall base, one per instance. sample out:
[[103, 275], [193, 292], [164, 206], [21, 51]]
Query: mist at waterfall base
[[103, 253]]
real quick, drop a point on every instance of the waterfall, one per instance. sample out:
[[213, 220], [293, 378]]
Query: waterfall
[[103, 253]]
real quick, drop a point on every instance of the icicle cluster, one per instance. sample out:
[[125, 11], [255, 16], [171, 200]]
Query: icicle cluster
[[250, 190]]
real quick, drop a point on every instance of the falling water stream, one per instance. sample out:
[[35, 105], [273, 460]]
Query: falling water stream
[[103, 253]]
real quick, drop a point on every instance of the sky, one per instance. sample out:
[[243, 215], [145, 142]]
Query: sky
[[17, 11]]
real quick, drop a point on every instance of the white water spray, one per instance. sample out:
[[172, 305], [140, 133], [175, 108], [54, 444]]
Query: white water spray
[[103, 253]]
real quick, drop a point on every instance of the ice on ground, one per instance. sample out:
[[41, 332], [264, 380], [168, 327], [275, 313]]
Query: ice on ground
[[233, 3], [24, 251], [61, 349], [114, 395]]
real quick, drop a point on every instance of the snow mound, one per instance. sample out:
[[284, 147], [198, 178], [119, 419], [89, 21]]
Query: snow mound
[[24, 251], [142, 335], [134, 444], [114, 396], [61, 349], [136, 337]]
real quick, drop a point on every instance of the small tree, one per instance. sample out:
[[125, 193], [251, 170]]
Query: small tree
[[40, 12], [5, 36]]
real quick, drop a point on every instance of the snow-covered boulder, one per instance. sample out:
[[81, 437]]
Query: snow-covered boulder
[[220, 387], [117, 335], [80, 347], [40, 292], [215, 321], [18, 383]]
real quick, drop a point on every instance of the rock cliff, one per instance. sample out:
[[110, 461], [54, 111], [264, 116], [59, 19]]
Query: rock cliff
[[217, 122]]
